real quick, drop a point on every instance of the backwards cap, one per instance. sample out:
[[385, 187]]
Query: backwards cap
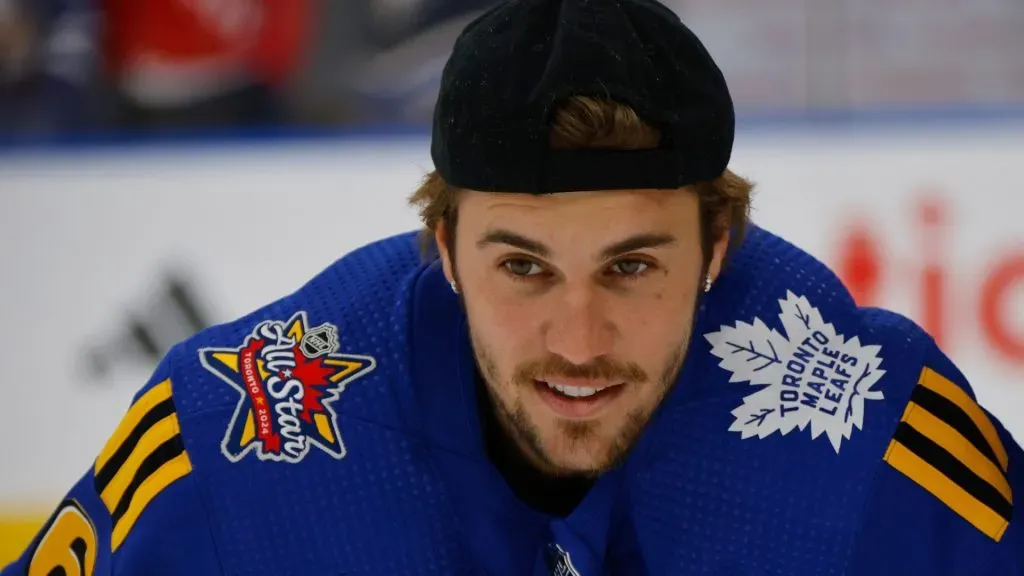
[[513, 67]]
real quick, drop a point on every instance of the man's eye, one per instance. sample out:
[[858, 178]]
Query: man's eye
[[520, 267], [630, 267]]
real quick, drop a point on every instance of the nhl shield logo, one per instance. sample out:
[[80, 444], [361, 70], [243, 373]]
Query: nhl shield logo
[[559, 562], [319, 341], [288, 375]]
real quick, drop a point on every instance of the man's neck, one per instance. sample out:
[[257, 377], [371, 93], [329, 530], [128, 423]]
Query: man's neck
[[554, 495]]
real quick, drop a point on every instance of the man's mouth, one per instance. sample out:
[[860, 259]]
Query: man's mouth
[[577, 399], [577, 391]]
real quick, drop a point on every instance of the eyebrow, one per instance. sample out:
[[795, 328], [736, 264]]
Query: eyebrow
[[500, 236], [635, 242]]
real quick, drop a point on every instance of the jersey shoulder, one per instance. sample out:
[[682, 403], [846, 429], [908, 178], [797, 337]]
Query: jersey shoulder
[[942, 502], [928, 397], [827, 336], [264, 386], [791, 378], [949, 445], [279, 371], [939, 469], [783, 321], [787, 401], [136, 508]]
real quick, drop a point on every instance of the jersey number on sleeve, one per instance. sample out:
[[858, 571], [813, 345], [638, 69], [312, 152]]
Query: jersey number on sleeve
[[66, 545]]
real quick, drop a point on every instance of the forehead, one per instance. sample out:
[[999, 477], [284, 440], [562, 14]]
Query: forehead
[[609, 212]]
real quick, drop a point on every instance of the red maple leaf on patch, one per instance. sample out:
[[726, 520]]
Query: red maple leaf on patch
[[315, 379]]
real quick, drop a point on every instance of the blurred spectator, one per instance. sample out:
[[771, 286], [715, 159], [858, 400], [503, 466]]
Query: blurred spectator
[[48, 65], [202, 63], [380, 61], [145, 65]]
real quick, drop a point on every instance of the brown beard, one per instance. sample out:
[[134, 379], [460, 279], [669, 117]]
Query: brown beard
[[516, 422]]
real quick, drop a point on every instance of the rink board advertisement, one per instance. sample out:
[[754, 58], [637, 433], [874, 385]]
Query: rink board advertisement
[[109, 256]]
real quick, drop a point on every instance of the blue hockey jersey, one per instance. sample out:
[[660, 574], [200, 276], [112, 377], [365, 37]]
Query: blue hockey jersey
[[335, 431]]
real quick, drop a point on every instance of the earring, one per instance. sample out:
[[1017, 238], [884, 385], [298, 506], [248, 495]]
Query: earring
[[707, 284], [455, 287]]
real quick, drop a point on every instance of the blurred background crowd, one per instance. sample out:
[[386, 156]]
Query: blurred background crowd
[[73, 67]]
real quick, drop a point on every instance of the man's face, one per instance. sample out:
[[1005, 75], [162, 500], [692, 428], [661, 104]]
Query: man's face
[[580, 306]]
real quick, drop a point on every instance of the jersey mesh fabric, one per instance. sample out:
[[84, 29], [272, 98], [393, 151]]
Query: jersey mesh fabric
[[321, 512], [781, 505]]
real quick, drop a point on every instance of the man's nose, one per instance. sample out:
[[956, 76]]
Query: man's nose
[[580, 329]]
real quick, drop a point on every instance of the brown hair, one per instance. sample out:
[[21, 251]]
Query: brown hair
[[585, 122]]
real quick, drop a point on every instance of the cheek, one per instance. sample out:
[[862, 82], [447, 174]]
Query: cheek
[[509, 329], [651, 328], [505, 319], [500, 303]]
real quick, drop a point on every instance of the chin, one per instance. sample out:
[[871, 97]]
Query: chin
[[593, 446], [570, 466], [570, 455]]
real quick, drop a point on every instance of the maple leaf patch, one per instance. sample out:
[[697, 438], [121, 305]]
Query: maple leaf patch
[[810, 377]]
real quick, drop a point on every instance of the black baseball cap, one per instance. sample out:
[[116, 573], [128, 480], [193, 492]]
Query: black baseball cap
[[512, 68]]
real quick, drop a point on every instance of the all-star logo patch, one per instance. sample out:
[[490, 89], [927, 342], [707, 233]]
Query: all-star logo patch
[[287, 375], [812, 376]]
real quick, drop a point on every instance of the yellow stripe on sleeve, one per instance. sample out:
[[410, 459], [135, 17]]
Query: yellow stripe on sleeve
[[160, 479], [980, 516], [955, 394], [136, 412], [953, 442], [150, 441]]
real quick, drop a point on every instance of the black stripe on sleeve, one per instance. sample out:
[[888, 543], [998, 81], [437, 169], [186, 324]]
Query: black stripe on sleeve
[[110, 468], [956, 471], [160, 456], [951, 414]]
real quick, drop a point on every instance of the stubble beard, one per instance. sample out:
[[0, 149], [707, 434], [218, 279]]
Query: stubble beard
[[516, 422]]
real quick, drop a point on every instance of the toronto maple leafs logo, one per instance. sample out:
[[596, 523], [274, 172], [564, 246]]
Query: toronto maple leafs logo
[[812, 376], [287, 376]]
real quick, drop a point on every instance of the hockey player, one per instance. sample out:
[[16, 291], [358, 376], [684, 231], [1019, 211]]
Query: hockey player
[[599, 368]]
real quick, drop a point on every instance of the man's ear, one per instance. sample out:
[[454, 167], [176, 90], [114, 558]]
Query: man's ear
[[719, 249], [444, 250]]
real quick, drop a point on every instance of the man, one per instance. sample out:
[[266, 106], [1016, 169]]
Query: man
[[604, 370]]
